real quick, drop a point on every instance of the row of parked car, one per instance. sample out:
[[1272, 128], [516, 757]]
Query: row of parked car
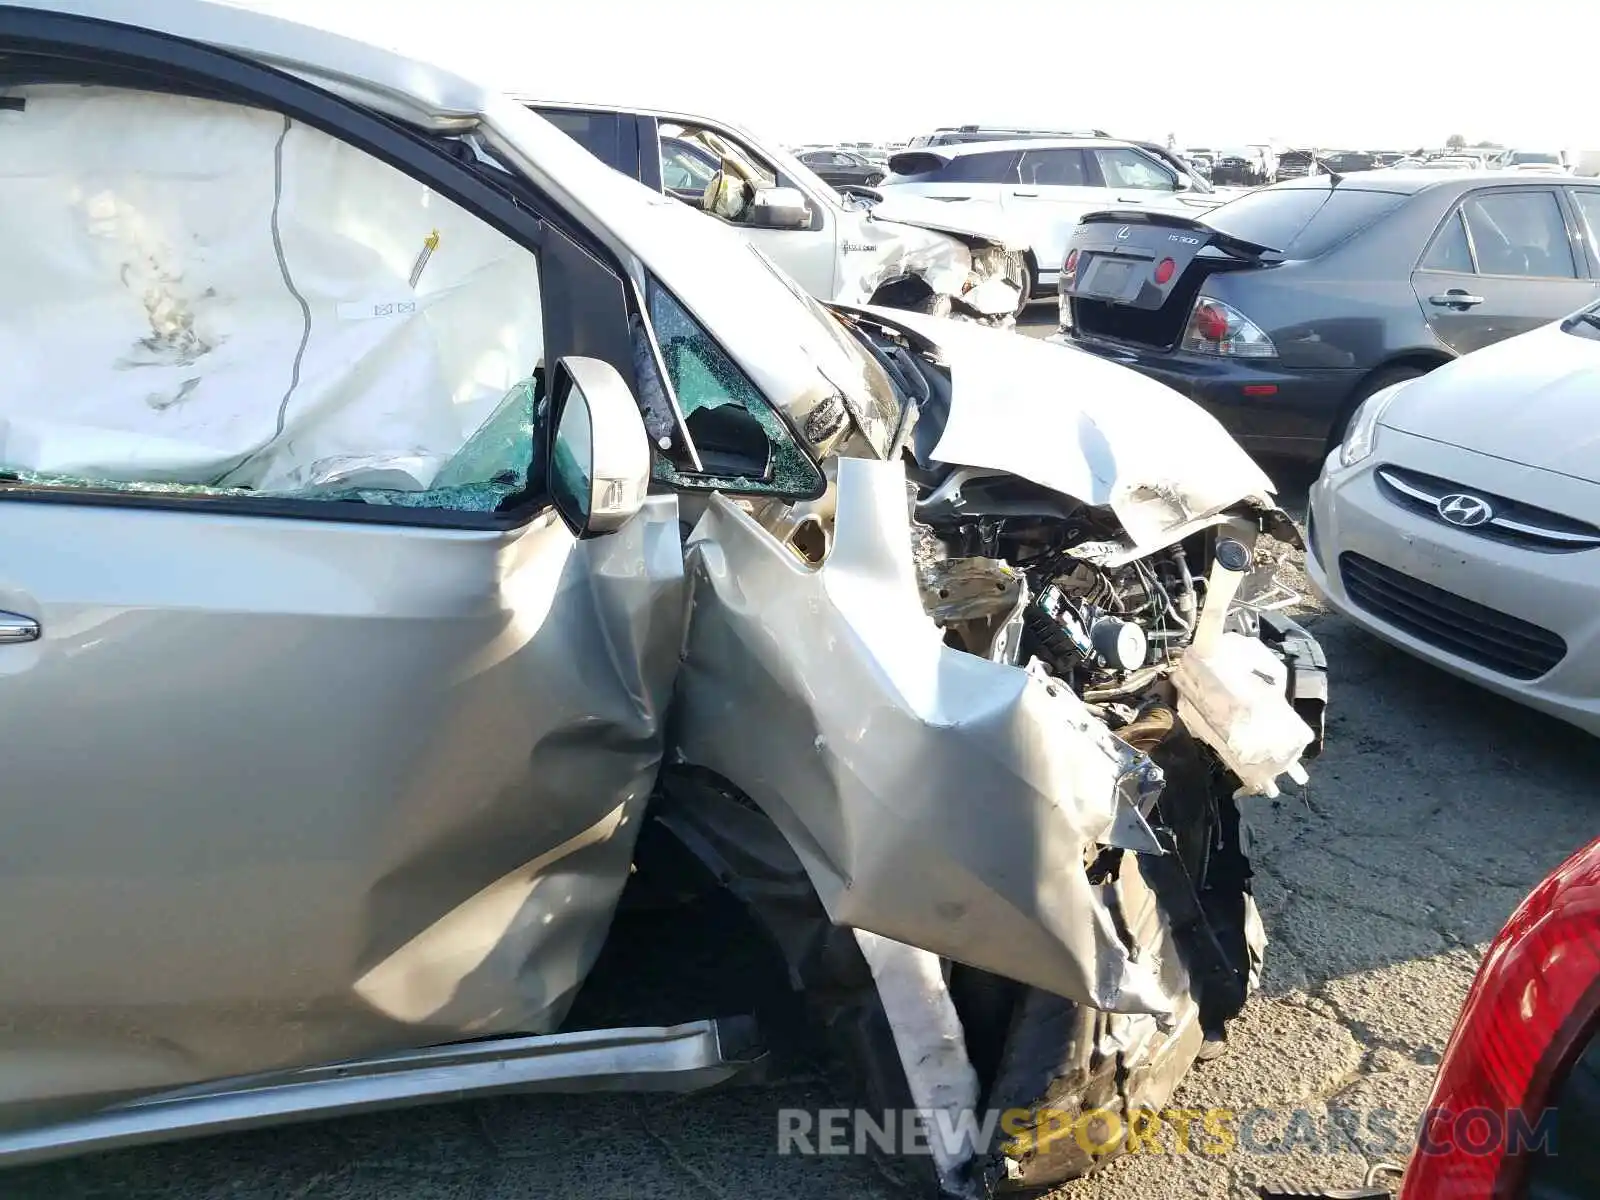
[[1435, 341]]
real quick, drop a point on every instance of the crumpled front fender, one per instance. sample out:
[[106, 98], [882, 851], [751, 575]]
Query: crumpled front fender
[[934, 797], [980, 275]]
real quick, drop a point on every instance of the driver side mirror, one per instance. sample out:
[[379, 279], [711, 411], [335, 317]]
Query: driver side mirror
[[599, 452], [778, 208]]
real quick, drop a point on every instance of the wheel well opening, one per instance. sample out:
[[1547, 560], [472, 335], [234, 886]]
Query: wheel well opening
[[909, 292], [1420, 362]]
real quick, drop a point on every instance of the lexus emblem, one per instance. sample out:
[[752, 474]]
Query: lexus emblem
[[1467, 511], [1122, 234]]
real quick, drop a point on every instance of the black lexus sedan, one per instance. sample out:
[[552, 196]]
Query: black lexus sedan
[[1281, 311]]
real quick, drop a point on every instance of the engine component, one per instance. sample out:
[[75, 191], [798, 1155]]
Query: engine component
[[1120, 644], [1069, 636], [1232, 690], [1057, 634], [1227, 573]]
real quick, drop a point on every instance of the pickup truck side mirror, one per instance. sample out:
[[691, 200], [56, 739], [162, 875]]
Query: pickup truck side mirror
[[599, 465], [779, 208]]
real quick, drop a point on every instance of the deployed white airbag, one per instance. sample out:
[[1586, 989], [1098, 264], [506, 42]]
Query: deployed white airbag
[[202, 293]]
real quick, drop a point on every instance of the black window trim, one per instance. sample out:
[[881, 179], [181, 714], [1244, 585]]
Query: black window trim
[[1582, 228], [130, 56], [1453, 213]]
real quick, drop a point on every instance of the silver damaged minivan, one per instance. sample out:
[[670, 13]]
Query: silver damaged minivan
[[428, 550]]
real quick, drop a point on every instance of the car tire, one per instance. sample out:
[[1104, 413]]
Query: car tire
[[874, 180], [1370, 386], [1026, 296], [1070, 1078]]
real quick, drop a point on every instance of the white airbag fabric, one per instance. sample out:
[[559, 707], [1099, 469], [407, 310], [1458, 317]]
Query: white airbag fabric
[[208, 294]]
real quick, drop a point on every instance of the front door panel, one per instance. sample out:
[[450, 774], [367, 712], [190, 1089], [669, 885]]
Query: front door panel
[[283, 792]]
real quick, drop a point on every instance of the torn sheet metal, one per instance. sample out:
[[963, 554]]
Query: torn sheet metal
[[1065, 1059], [1090, 429], [932, 1047], [972, 259], [972, 220], [324, 319], [994, 296], [892, 252], [935, 798]]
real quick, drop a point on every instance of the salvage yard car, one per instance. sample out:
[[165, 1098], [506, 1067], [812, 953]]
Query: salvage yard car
[[1460, 519], [1044, 185], [848, 248], [421, 537], [842, 168], [1240, 167], [1281, 311]]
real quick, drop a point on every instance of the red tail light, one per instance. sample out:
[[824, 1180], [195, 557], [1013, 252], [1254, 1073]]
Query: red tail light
[[1211, 322], [1072, 263], [1164, 270], [1526, 1016]]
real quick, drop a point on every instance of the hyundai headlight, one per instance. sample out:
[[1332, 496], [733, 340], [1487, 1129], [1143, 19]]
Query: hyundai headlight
[[1362, 432]]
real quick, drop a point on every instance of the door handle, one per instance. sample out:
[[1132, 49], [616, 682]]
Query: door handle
[[1455, 298], [1024, 193], [14, 627]]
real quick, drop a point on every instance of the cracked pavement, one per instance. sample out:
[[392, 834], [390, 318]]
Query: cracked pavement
[[1435, 808]]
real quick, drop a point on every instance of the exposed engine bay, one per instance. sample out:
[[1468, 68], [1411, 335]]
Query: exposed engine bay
[[1020, 574]]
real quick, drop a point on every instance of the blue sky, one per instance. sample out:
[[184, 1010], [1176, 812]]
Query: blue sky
[[1218, 72]]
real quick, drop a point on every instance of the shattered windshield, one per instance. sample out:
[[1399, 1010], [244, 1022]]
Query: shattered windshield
[[872, 398]]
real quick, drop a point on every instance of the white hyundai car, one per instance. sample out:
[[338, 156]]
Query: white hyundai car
[[1460, 518]]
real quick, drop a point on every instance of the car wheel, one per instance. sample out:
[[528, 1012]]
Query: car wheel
[[1027, 288], [1071, 1080], [874, 180], [1369, 386]]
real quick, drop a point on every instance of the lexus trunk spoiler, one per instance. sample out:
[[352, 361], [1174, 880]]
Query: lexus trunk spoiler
[[1238, 247]]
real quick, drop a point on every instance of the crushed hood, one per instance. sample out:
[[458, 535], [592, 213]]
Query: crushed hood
[[1088, 428], [971, 219], [1529, 399]]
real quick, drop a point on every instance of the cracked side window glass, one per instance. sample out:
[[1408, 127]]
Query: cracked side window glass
[[744, 445]]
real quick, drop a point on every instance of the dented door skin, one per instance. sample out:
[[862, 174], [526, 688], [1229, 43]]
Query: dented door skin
[[292, 792], [289, 790]]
